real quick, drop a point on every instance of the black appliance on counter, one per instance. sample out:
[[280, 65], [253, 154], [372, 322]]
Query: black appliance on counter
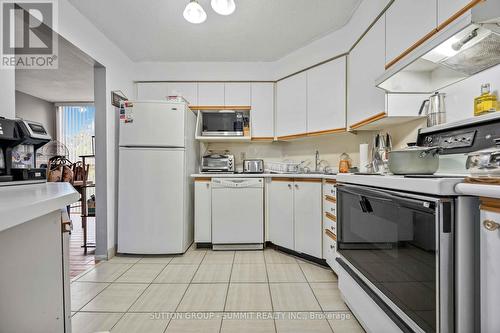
[[19, 140]]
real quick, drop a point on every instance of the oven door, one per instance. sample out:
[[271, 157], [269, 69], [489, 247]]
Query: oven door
[[400, 245]]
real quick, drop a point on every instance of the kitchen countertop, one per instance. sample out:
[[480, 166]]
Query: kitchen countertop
[[480, 190], [263, 175], [433, 186], [22, 203]]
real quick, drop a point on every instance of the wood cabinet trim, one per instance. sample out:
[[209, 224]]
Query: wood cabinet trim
[[440, 27], [330, 234], [330, 131], [281, 179], [462, 11], [331, 216], [308, 180], [293, 136], [331, 181], [490, 204], [330, 198], [263, 138], [312, 134], [221, 107], [203, 179], [370, 120]]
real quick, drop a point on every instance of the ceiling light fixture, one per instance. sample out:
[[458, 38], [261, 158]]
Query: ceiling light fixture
[[194, 12], [223, 7]]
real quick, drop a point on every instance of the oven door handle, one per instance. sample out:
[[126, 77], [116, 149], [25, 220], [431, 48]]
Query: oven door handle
[[421, 205]]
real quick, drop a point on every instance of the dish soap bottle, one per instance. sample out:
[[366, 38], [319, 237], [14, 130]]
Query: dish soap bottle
[[485, 103]]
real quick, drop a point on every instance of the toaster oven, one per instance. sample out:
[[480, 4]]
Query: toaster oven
[[217, 163]]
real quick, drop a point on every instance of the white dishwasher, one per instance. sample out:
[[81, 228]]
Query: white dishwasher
[[237, 213]]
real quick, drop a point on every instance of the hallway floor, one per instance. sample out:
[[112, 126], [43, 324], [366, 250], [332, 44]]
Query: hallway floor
[[79, 261], [207, 291]]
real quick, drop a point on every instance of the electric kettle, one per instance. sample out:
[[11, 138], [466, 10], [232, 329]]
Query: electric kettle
[[434, 109]]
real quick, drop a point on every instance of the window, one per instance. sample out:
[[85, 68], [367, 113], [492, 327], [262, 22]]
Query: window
[[76, 129]]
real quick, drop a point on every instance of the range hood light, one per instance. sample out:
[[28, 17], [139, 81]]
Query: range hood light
[[458, 45]]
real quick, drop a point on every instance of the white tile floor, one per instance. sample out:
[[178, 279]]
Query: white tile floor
[[207, 291]]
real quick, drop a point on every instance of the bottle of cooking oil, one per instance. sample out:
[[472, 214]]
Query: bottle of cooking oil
[[485, 103]]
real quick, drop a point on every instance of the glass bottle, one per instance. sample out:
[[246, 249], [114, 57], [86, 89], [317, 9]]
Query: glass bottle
[[485, 103]]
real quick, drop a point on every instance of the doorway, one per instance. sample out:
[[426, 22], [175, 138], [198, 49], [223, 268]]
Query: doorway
[[69, 102]]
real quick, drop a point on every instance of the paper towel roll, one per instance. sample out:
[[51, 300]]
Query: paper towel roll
[[363, 157]]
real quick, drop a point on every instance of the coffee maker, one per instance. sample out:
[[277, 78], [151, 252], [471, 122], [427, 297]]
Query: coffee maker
[[19, 140], [9, 138]]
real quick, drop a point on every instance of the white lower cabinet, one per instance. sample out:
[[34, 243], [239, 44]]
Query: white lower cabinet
[[281, 230], [490, 264], [295, 215], [307, 209], [203, 211]]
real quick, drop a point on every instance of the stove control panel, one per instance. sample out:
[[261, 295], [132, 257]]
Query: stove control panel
[[450, 141]]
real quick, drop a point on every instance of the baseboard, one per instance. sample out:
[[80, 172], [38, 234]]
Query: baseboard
[[301, 255]]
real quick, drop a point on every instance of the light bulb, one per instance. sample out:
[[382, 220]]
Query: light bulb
[[223, 7], [194, 13]]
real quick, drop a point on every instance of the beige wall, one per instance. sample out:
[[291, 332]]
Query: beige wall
[[35, 109], [330, 147]]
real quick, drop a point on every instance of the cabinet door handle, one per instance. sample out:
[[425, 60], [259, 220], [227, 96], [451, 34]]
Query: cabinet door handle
[[491, 225], [289, 185], [296, 186]]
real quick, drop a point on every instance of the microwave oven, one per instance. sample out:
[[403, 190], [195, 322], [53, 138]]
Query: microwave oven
[[222, 123]]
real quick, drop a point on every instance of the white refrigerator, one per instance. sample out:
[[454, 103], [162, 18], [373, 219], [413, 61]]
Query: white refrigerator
[[158, 153]]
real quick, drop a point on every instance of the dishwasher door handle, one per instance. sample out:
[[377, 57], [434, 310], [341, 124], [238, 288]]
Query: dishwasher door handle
[[236, 183]]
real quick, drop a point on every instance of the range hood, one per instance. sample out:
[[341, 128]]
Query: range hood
[[467, 46]]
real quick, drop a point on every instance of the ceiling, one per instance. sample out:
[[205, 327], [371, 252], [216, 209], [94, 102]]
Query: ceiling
[[259, 30], [72, 81]]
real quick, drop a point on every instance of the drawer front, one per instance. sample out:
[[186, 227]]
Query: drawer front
[[329, 207], [329, 249], [329, 189], [329, 224]]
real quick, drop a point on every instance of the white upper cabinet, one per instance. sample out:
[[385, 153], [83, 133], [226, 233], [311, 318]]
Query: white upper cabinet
[[237, 93], [407, 21], [152, 91], [262, 113], [188, 90], [366, 62], [211, 93], [291, 113], [448, 8], [326, 96]]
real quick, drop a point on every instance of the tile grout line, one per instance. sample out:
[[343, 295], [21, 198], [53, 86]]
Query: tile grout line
[[124, 313], [131, 305], [316, 298], [185, 291], [227, 292], [270, 294], [109, 284]]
